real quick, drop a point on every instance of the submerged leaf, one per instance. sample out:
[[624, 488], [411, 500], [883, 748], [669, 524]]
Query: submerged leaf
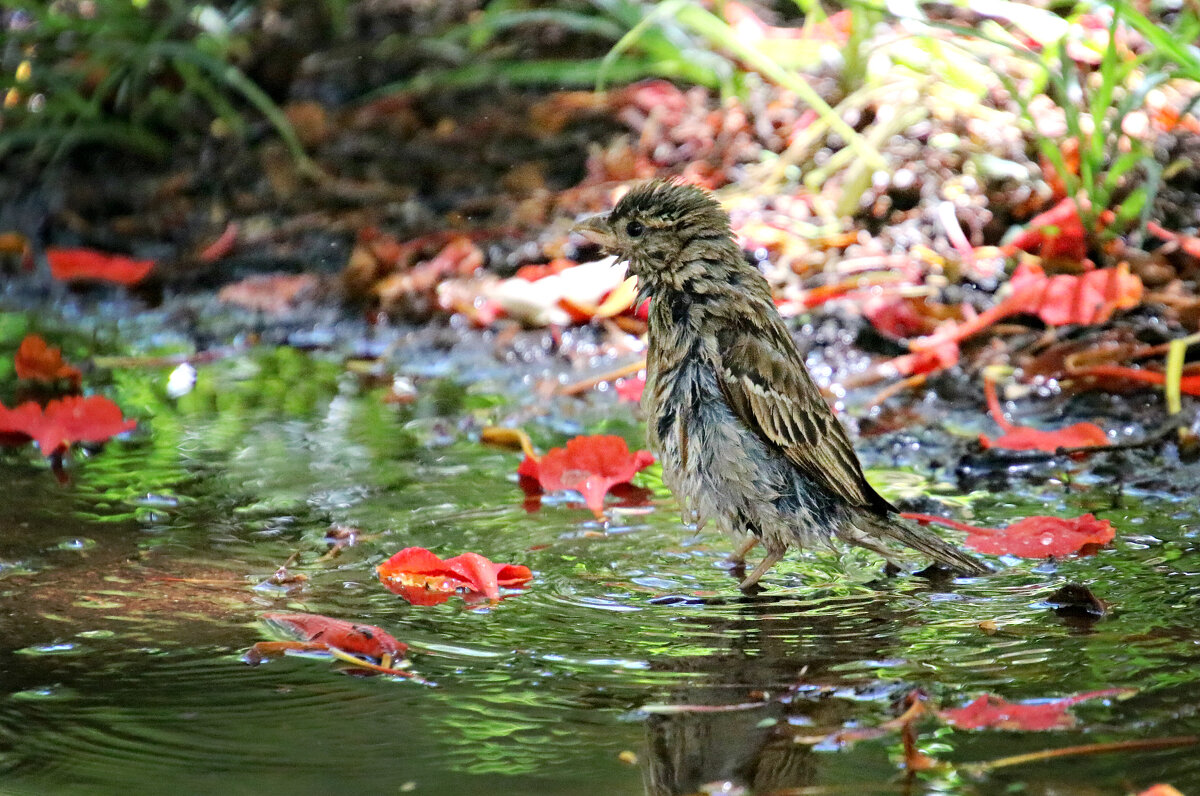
[[992, 712], [352, 637], [1031, 537]]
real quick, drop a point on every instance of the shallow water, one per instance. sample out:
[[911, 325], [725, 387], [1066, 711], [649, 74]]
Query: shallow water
[[129, 596]]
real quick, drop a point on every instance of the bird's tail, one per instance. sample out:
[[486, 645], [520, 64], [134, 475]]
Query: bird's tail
[[873, 529]]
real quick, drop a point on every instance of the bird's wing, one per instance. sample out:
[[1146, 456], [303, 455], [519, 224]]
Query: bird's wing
[[768, 387]]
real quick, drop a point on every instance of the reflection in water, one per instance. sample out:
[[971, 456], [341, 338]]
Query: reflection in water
[[781, 654], [688, 751], [120, 654]]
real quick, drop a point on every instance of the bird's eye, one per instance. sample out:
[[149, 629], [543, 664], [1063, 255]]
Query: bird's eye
[[634, 229]]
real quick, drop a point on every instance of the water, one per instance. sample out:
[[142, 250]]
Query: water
[[129, 596]]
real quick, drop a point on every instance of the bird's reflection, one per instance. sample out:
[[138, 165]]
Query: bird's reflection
[[733, 728]]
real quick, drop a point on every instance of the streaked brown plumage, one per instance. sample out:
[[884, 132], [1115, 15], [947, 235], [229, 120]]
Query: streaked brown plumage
[[745, 438]]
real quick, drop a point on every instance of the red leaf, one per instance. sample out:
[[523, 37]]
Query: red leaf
[[896, 317], [590, 465], [1023, 438], [37, 361], [19, 425], [1088, 298], [1056, 233], [1031, 537], [89, 265], [64, 422], [272, 294], [76, 419], [992, 712], [422, 578], [1040, 537], [631, 389], [222, 246], [1188, 243], [352, 637], [929, 360], [1161, 790]]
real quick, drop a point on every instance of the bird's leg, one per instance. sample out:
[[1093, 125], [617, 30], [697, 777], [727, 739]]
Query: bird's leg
[[739, 555], [769, 560]]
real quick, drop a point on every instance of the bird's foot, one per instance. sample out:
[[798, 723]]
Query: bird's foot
[[769, 560], [739, 555]]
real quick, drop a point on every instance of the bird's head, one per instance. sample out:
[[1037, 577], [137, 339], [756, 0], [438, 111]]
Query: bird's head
[[672, 237]]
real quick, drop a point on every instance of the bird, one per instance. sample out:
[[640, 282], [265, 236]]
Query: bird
[[745, 439]]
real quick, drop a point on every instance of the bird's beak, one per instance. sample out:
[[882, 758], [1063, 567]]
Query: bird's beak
[[596, 230]]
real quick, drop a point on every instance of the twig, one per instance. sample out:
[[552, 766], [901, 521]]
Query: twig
[[1085, 749], [583, 386]]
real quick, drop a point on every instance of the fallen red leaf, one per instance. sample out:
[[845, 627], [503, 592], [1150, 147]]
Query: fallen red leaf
[[1088, 298], [352, 637], [422, 578], [37, 361], [64, 422], [89, 265], [272, 294], [590, 465], [1187, 243], [631, 389], [532, 273], [222, 246], [1031, 537], [1161, 790], [1023, 438], [992, 712], [926, 361], [1055, 233], [897, 317]]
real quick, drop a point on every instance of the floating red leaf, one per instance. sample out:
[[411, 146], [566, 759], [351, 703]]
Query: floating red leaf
[[1040, 537], [64, 422], [37, 361], [1032, 537], [352, 637], [422, 578], [1022, 438], [590, 465], [992, 712], [89, 265], [19, 425]]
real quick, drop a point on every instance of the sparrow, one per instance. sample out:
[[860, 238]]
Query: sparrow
[[745, 439]]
